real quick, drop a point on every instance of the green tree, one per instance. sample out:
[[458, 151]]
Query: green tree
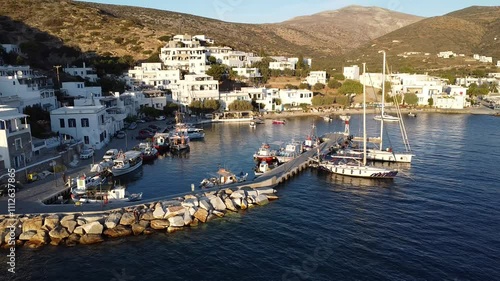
[[339, 76], [475, 90], [170, 108], [196, 106], [318, 86], [430, 101], [320, 100], [343, 100], [240, 105], [304, 86], [411, 99], [263, 66], [290, 87], [212, 60], [150, 111], [211, 105], [38, 119], [351, 87], [217, 71], [334, 84], [277, 101]]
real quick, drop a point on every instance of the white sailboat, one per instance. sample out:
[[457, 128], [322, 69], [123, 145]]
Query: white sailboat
[[352, 166]]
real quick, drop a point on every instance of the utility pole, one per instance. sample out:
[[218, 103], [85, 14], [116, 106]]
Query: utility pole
[[57, 72]]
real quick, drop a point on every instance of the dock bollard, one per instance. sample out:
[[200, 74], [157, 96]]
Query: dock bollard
[[192, 187]]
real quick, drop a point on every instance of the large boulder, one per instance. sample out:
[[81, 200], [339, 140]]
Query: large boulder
[[173, 211], [68, 217], [194, 222], [252, 193], [91, 239], [229, 205], [159, 224], [265, 191], [217, 203], [205, 204], [89, 218], [147, 216], [79, 230], [137, 228], [176, 221], [187, 218], [271, 197], [39, 239], [33, 224], [172, 229], [51, 222], [218, 213], [238, 194], [190, 202], [118, 231], [261, 200], [112, 220], [127, 219], [244, 204], [27, 235], [201, 214], [69, 224], [58, 233], [93, 228], [237, 202], [158, 213], [72, 240]]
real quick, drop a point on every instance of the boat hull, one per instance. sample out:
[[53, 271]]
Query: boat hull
[[359, 171], [119, 172]]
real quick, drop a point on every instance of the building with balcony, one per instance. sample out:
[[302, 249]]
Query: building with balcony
[[185, 53], [295, 97], [351, 72], [282, 65], [21, 82], [86, 73], [151, 75], [316, 77], [78, 89], [90, 124], [195, 87], [247, 72], [15, 139]]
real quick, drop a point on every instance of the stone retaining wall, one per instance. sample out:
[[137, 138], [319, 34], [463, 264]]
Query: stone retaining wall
[[162, 216]]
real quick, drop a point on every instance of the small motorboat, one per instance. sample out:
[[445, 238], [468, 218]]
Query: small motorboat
[[253, 124], [279, 122], [411, 114]]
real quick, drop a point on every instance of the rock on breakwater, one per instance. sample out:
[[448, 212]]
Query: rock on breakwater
[[35, 231]]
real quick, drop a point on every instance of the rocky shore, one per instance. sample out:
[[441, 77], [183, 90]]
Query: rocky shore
[[35, 231]]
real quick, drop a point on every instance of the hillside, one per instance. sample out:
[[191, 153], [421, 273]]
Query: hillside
[[474, 30], [140, 32]]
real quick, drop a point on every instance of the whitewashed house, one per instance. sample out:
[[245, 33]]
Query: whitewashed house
[[316, 77], [91, 124], [15, 139], [226, 98], [185, 53], [87, 73], [452, 97], [196, 87], [351, 72], [295, 97], [11, 48], [446, 54], [282, 65], [30, 88], [78, 89], [248, 72], [152, 75], [307, 61]]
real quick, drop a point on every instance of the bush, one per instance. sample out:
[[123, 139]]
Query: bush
[[334, 84], [318, 86]]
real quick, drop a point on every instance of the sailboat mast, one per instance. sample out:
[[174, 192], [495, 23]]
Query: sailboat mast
[[364, 118], [383, 102]]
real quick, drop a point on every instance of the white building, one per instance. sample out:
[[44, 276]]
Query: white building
[[87, 73], [306, 61], [91, 124], [186, 53], [195, 87], [498, 63], [226, 98], [11, 48], [247, 72], [316, 77], [15, 139], [446, 101], [152, 75], [295, 97], [230, 57], [30, 88], [351, 72], [282, 65], [446, 54], [78, 89]]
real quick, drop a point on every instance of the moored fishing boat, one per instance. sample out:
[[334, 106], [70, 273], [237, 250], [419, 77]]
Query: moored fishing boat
[[115, 194], [126, 162], [289, 152], [265, 153], [279, 122], [179, 142], [223, 177], [148, 151], [161, 142], [264, 167]]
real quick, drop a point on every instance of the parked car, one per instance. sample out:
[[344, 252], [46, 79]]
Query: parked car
[[149, 130], [121, 134], [143, 134], [160, 118], [140, 121], [86, 153], [154, 127], [132, 126], [110, 154]]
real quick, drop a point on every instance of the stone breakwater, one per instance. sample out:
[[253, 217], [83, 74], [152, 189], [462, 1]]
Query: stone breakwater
[[35, 231]]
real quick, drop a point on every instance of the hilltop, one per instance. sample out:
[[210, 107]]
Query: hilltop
[[140, 32], [474, 30]]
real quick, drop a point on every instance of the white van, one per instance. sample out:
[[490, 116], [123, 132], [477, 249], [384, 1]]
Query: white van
[[110, 154]]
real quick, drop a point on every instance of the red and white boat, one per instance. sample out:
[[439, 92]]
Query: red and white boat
[[279, 122], [148, 151], [161, 142], [265, 153]]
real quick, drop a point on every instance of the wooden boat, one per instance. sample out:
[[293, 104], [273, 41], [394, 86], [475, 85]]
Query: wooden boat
[[265, 153], [126, 163], [223, 177], [179, 142], [148, 151], [161, 142]]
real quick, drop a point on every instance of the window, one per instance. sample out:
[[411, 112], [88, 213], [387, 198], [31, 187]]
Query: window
[[85, 122], [86, 139], [61, 123], [72, 122], [18, 143]]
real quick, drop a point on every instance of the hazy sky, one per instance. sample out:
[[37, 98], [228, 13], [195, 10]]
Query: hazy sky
[[269, 11]]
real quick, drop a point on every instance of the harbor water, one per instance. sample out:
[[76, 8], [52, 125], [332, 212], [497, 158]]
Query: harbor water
[[438, 220]]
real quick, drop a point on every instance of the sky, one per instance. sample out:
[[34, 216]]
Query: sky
[[271, 11]]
